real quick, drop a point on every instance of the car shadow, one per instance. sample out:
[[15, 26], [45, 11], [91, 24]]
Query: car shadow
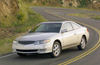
[[47, 56]]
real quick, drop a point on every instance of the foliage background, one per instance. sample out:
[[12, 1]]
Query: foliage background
[[16, 17]]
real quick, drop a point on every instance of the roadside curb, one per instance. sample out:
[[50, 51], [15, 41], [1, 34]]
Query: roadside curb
[[5, 55]]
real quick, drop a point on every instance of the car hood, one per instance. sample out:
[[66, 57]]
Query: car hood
[[36, 36]]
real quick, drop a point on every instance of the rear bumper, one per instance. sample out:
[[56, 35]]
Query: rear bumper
[[87, 36]]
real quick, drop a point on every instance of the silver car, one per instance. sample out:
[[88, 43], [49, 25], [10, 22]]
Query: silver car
[[52, 37]]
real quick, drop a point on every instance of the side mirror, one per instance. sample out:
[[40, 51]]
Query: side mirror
[[29, 30]]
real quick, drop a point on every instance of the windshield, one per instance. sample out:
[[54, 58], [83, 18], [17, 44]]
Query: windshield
[[47, 27]]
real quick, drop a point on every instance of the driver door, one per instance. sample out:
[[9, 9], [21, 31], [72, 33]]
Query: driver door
[[68, 35]]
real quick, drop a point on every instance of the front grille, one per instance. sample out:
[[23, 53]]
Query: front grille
[[26, 42], [26, 50]]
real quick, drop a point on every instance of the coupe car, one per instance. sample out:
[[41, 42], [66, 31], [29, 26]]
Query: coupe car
[[52, 37]]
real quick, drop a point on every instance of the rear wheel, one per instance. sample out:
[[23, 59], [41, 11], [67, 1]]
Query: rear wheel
[[82, 45], [56, 49]]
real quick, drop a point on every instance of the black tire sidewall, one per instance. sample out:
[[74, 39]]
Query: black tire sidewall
[[52, 54], [79, 46]]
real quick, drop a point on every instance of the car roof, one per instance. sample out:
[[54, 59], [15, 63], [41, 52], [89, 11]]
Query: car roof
[[57, 21]]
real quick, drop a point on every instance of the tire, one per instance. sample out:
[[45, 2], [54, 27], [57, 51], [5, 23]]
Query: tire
[[21, 55], [56, 50], [82, 45]]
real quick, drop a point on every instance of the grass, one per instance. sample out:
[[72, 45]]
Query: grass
[[6, 45], [86, 15], [96, 17], [79, 15], [83, 8], [7, 38], [80, 8], [18, 24], [24, 19]]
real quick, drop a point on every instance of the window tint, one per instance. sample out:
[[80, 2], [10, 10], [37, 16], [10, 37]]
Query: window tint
[[75, 25], [67, 27], [48, 27]]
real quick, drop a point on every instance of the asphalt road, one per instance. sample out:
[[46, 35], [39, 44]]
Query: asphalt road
[[91, 59]]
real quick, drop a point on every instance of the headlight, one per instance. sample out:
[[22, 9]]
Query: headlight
[[44, 41], [15, 43], [41, 42]]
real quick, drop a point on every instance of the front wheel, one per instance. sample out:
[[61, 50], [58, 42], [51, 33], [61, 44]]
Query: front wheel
[[56, 49], [82, 45]]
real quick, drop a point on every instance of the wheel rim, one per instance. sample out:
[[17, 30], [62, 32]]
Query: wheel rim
[[56, 49], [83, 43]]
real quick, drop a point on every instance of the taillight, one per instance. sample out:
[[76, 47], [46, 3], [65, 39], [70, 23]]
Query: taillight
[[87, 30]]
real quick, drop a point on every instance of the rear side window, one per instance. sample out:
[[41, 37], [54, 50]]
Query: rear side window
[[67, 27], [75, 25]]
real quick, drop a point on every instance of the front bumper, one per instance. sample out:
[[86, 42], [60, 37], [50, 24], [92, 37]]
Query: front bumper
[[42, 48]]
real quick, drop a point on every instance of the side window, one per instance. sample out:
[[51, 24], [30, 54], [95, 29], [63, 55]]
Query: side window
[[75, 25], [67, 27]]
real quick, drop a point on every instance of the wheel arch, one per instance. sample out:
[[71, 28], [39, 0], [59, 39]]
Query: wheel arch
[[57, 40], [85, 37]]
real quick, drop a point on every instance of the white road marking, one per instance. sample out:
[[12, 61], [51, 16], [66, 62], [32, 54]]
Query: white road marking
[[6, 55]]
